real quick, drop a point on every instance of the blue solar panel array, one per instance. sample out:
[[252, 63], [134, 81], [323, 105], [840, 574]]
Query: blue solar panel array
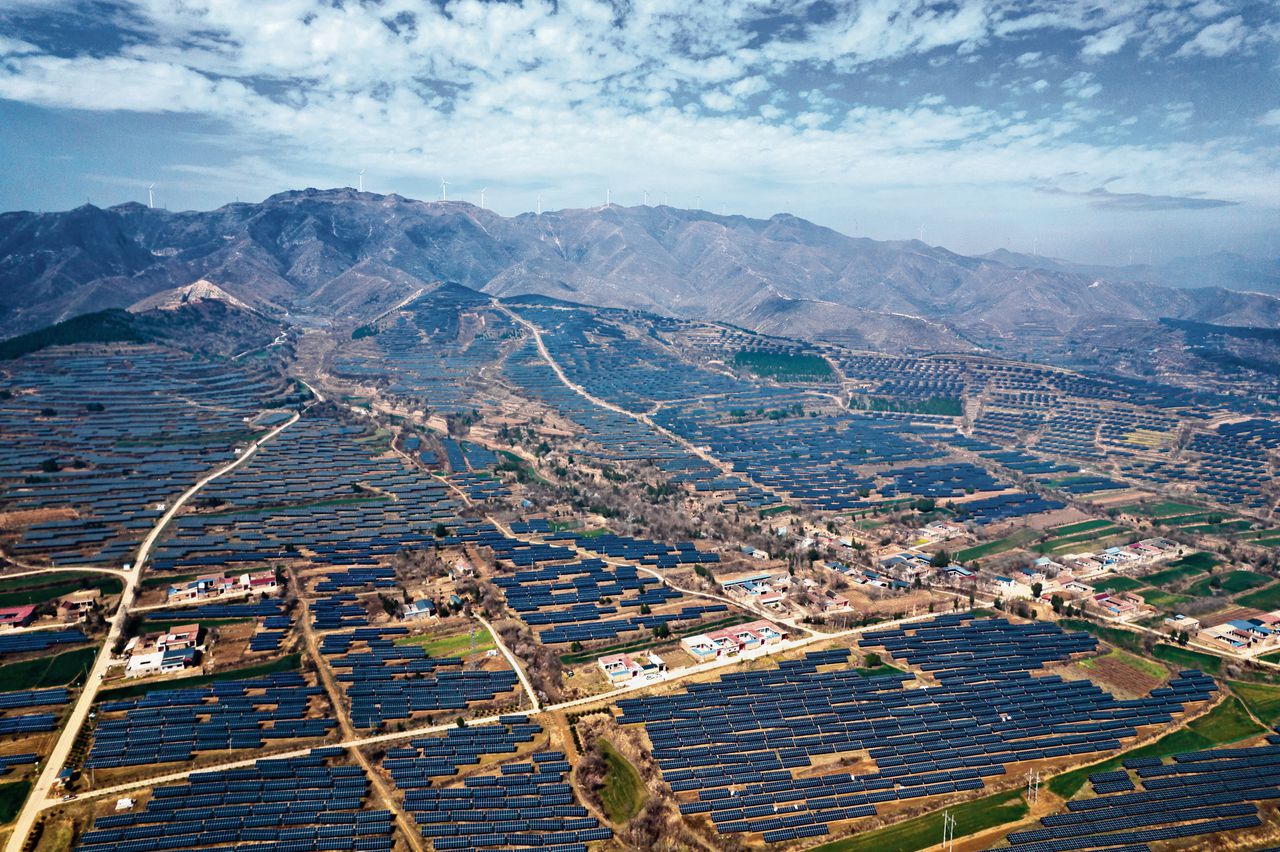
[[29, 723], [524, 806], [34, 697], [125, 427], [39, 640], [385, 681], [426, 759], [302, 804], [9, 761], [1212, 792], [173, 725], [318, 487], [734, 744], [563, 597]]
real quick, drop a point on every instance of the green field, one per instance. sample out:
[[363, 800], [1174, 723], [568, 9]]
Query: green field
[[1169, 576], [1120, 638], [1199, 561], [1263, 700], [1264, 599], [1194, 518], [47, 671], [38, 588], [1218, 529], [1160, 510], [457, 645], [1082, 526], [923, 832], [1018, 539], [164, 580], [12, 796], [1163, 600], [1117, 584], [945, 406], [1072, 542], [1226, 723], [623, 793], [283, 664], [1188, 659], [1230, 583], [784, 365]]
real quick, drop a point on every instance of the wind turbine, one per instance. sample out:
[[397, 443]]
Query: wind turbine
[[608, 196], [151, 197], [921, 232], [539, 203], [482, 192], [444, 190], [646, 198], [361, 183]]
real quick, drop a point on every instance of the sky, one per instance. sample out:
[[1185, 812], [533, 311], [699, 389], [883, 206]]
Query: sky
[[1111, 131]]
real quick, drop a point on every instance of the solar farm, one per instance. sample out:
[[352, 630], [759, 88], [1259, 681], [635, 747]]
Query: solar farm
[[521, 574]]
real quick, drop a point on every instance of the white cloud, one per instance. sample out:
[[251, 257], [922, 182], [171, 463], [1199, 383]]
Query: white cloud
[[1108, 41], [1218, 39], [719, 101], [1179, 114], [565, 94], [1081, 85]]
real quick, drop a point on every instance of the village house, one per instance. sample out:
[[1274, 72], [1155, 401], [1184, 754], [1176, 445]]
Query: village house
[[732, 640], [421, 608], [162, 653], [219, 586], [620, 668], [1177, 623], [77, 606], [1246, 633], [13, 617]]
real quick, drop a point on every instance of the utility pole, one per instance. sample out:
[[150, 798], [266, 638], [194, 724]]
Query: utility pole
[[1033, 786], [948, 831]]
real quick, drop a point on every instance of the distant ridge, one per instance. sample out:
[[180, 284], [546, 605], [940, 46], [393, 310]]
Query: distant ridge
[[342, 256]]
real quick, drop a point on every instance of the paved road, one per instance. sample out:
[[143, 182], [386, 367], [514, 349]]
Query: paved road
[[515, 663], [38, 799], [701, 453], [603, 698]]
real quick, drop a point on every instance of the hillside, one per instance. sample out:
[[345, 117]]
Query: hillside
[[341, 255]]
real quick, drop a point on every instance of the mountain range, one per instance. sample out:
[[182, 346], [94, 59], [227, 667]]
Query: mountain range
[[323, 256]]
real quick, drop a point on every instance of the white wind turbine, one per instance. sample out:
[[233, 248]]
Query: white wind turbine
[[151, 196], [482, 192], [444, 190], [361, 182]]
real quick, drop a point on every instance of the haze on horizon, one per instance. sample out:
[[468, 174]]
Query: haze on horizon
[[1099, 132]]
